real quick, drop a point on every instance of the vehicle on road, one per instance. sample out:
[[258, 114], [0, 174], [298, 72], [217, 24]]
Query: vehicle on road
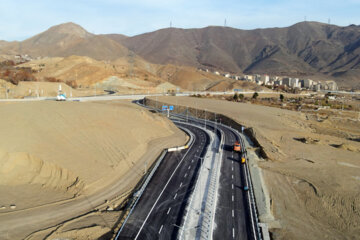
[[243, 160], [61, 97], [237, 147]]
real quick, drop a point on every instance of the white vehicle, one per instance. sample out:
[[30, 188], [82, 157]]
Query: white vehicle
[[61, 96]]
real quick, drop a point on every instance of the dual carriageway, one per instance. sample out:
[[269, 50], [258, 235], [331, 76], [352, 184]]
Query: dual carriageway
[[160, 212]]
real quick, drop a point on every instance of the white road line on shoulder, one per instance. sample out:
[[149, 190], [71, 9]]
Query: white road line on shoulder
[[161, 228], [167, 183], [175, 196], [168, 211]]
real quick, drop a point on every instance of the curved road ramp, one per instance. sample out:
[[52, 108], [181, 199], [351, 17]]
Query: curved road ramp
[[198, 191]]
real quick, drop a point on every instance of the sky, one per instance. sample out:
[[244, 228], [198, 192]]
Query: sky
[[21, 19]]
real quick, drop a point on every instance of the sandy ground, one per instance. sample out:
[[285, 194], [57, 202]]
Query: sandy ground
[[57, 154], [312, 172]]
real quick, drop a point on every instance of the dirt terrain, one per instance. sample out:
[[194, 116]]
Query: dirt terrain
[[67, 158], [130, 74], [312, 170]]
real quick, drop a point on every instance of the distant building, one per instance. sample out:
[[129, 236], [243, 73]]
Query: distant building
[[306, 83], [317, 86], [278, 82], [217, 73], [228, 75], [331, 86], [286, 81], [256, 77], [265, 79], [249, 78]]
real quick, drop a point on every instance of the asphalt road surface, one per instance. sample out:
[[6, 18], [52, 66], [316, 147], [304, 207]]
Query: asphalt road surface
[[232, 211], [232, 217], [160, 211]]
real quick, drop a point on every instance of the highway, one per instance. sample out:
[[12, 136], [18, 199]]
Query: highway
[[232, 217], [232, 212], [160, 211]]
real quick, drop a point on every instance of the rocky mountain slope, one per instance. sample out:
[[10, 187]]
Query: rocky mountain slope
[[65, 40], [306, 48], [313, 49]]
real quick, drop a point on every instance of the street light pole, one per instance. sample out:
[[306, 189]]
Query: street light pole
[[205, 118]]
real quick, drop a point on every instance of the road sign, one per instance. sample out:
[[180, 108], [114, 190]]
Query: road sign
[[164, 108], [171, 108]]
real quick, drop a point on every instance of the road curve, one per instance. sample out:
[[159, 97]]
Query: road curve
[[160, 211]]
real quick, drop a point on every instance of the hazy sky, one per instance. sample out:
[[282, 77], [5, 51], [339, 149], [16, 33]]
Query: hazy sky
[[21, 19]]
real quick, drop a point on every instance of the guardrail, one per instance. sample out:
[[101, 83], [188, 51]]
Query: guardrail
[[251, 199], [256, 233], [137, 195]]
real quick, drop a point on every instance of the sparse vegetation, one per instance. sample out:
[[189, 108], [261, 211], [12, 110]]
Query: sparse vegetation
[[255, 95]]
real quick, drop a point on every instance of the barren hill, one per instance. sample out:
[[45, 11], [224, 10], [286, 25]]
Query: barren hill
[[65, 40], [306, 48], [314, 49]]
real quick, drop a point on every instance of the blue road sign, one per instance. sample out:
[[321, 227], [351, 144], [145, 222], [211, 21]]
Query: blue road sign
[[171, 108], [164, 108]]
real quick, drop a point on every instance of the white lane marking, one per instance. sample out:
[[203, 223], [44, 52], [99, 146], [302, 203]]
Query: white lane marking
[[232, 197], [232, 163], [233, 232], [232, 213], [232, 168], [152, 208], [161, 228], [232, 176], [175, 196], [168, 211], [180, 184], [232, 186], [189, 167], [185, 175], [192, 160]]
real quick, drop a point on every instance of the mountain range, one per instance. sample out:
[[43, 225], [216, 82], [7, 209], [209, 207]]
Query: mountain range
[[312, 49]]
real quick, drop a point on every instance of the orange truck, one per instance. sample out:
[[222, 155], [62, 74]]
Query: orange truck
[[237, 147]]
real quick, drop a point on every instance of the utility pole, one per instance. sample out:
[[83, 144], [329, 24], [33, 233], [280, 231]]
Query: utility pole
[[156, 102], [215, 124], [187, 113], [196, 109], [205, 118]]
